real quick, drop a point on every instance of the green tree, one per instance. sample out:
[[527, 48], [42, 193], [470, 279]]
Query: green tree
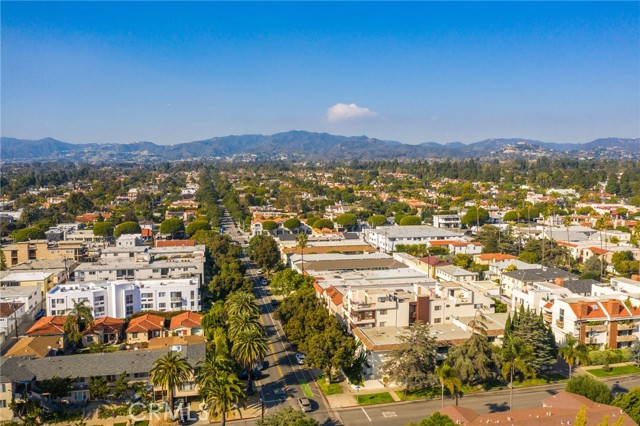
[[475, 359], [592, 268], [573, 351], [301, 241], [516, 356], [198, 225], [347, 220], [79, 318], [412, 364], [172, 226], [287, 417], [230, 278], [436, 419], [329, 349], [222, 393], [287, 281], [249, 347], [56, 387], [292, 223], [635, 353], [376, 220], [589, 387], [170, 371], [121, 386], [322, 224], [3, 261], [531, 329], [242, 323], [410, 221], [127, 228], [630, 403], [241, 302], [215, 318], [511, 216], [26, 234], [103, 229], [475, 216], [312, 220], [269, 225], [449, 378], [264, 251]]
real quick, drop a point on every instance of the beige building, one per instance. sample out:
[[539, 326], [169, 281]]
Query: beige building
[[43, 280], [41, 249]]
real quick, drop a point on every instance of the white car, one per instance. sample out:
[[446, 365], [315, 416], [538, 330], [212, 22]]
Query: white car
[[300, 358], [305, 404]]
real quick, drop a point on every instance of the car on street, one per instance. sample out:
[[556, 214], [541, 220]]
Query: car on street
[[305, 404], [40, 314], [274, 302], [300, 358], [264, 281]]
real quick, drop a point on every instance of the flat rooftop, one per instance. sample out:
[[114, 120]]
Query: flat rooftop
[[420, 231]]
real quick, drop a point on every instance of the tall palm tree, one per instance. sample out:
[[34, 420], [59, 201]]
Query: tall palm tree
[[574, 352], [243, 322], [248, 348], [449, 377], [222, 392], [516, 356], [169, 371], [302, 241], [241, 302], [211, 366], [79, 318]]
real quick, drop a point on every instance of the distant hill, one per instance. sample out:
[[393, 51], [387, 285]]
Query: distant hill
[[302, 145]]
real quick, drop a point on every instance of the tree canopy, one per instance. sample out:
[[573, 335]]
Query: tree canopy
[[475, 216], [127, 228]]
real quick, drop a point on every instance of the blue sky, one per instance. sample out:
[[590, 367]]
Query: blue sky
[[413, 72]]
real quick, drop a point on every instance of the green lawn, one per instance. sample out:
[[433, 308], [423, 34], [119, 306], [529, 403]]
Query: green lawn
[[615, 371], [542, 380], [374, 398], [329, 389], [429, 393]]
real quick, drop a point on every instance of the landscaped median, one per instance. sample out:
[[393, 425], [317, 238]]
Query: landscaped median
[[619, 370]]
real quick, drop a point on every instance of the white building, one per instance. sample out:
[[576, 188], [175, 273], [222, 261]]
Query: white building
[[386, 237], [120, 299], [30, 296], [447, 221], [10, 317]]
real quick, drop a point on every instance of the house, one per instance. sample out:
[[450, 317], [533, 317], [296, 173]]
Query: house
[[169, 342], [455, 273], [105, 330], [48, 326], [558, 409], [430, 263], [186, 324], [37, 346], [144, 328], [519, 278], [31, 297], [458, 247], [11, 314]]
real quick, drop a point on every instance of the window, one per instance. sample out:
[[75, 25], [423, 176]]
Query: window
[[99, 299], [3, 403], [128, 310], [147, 306], [146, 295], [162, 305], [383, 312], [437, 320], [128, 299], [561, 315], [162, 294], [437, 308], [134, 335], [382, 324]]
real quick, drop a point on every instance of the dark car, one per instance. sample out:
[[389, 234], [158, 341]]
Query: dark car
[[40, 314]]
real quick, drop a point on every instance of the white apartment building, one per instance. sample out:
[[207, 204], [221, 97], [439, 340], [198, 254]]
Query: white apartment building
[[447, 221], [455, 273], [385, 238], [535, 296], [120, 299], [30, 296], [10, 317]]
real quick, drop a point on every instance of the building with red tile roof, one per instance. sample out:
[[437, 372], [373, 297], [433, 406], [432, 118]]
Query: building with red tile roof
[[559, 409], [175, 243], [105, 330], [48, 326], [186, 324], [144, 328]]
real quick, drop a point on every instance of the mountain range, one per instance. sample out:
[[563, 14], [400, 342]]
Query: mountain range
[[302, 145]]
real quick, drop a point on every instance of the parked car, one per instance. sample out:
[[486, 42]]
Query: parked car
[[40, 314], [305, 404], [300, 358]]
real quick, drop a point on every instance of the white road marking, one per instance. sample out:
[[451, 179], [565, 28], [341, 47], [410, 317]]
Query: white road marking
[[389, 414], [365, 413]]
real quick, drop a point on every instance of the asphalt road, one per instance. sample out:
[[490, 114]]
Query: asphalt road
[[281, 381]]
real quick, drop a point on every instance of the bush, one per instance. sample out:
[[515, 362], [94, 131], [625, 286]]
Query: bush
[[589, 387], [198, 225], [323, 223], [127, 228], [410, 220], [609, 357], [630, 403], [269, 225], [26, 234], [103, 229], [292, 223]]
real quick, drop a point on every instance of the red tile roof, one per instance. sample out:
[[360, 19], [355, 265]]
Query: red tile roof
[[496, 256], [106, 325], [175, 243], [186, 319], [146, 322], [334, 295], [48, 326]]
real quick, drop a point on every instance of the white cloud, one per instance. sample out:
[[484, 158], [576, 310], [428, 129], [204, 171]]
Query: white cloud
[[340, 112]]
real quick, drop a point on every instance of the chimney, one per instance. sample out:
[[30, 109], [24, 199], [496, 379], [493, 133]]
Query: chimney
[[560, 281]]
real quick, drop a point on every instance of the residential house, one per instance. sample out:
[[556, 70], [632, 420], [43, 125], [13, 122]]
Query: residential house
[[519, 278], [455, 273], [105, 331], [31, 297], [144, 328], [37, 346], [186, 324]]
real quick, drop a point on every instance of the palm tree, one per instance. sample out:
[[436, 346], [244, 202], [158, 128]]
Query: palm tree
[[212, 365], [449, 378], [243, 322], [516, 356], [222, 392], [169, 371], [302, 240], [248, 348], [567, 224], [79, 318], [241, 302], [574, 352]]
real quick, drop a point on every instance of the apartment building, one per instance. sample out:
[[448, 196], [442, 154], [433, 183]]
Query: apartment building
[[597, 321], [30, 296], [11, 314], [61, 269], [42, 249], [447, 221], [177, 268], [120, 299], [455, 273], [42, 280], [385, 238], [520, 278]]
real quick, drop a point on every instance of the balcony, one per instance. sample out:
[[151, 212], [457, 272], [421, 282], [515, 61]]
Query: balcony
[[176, 299], [362, 319], [627, 338], [627, 326], [362, 306], [601, 327], [559, 324]]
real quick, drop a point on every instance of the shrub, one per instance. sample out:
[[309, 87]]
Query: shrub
[[589, 387]]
